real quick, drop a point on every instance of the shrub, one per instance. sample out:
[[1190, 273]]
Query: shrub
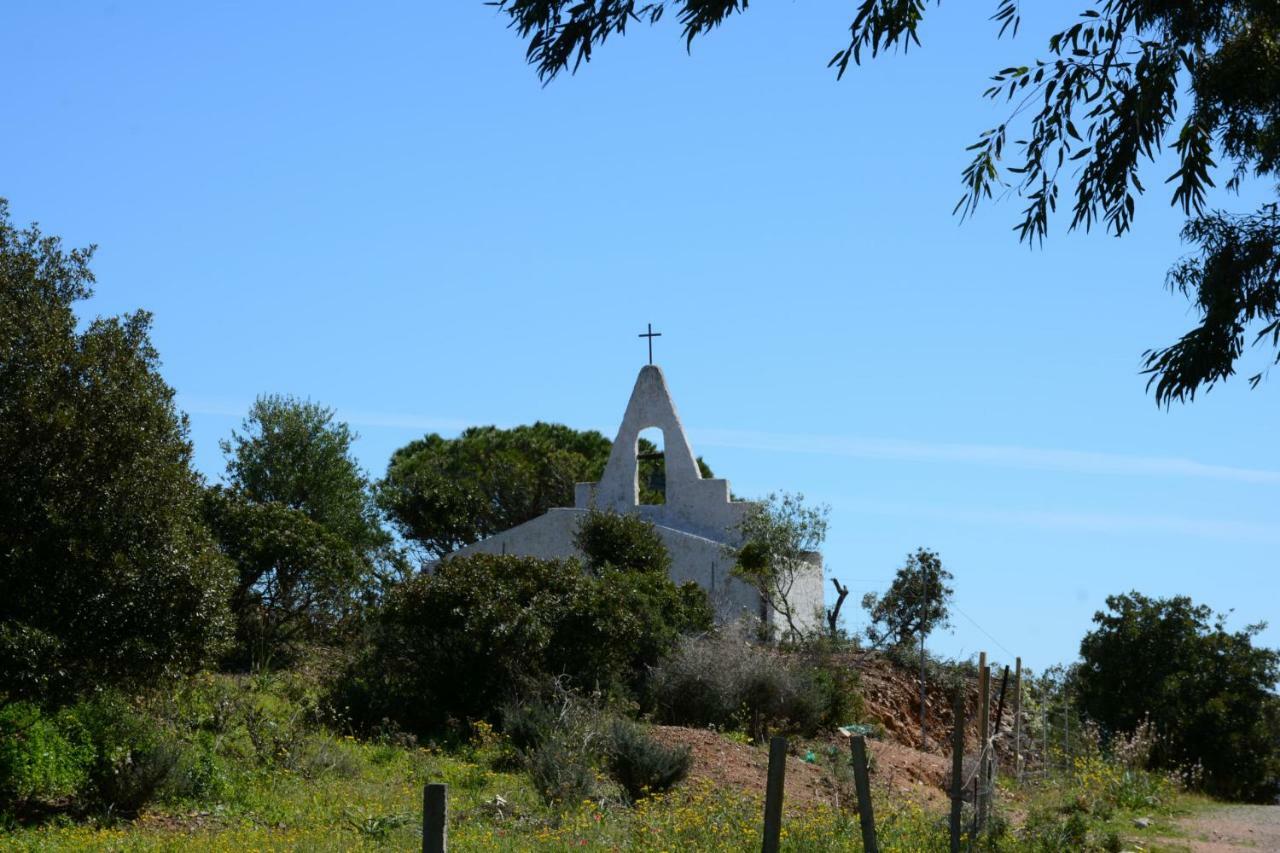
[[1207, 693], [40, 758], [134, 758], [642, 765], [99, 521], [528, 724], [320, 755], [454, 644], [723, 680], [559, 737], [200, 773], [559, 774], [611, 539]]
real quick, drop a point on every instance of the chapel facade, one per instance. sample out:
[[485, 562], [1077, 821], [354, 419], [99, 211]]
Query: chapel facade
[[698, 521]]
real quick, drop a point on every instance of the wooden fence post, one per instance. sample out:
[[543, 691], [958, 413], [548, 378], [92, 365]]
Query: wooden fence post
[[957, 768], [1066, 731], [435, 818], [1017, 721], [1004, 685], [984, 734], [773, 794], [862, 782], [989, 779]]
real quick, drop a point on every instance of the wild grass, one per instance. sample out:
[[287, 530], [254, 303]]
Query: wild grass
[[296, 787]]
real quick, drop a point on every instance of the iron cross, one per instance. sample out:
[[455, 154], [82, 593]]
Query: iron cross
[[651, 334]]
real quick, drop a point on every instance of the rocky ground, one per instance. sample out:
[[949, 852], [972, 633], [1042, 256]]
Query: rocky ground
[[891, 698], [1231, 827]]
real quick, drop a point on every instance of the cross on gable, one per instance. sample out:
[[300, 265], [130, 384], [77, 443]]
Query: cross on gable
[[651, 334]]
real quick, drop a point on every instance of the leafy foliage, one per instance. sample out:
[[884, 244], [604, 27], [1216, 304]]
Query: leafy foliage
[[444, 493], [134, 757], [1207, 692], [723, 680], [917, 601], [99, 506], [642, 765], [39, 759], [297, 580], [295, 453], [612, 540], [779, 535], [1103, 102], [456, 643], [298, 520]]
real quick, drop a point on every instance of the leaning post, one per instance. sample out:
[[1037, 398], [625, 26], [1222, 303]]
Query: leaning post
[[1017, 720], [984, 735], [435, 818], [957, 767], [862, 782], [773, 794]]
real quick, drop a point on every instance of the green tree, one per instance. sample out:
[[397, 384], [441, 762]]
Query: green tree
[[1104, 100], [917, 601], [295, 453], [297, 580], [108, 575], [779, 535], [299, 521], [614, 540], [443, 493], [1208, 692], [458, 642]]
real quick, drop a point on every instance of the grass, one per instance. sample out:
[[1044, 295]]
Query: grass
[[278, 780]]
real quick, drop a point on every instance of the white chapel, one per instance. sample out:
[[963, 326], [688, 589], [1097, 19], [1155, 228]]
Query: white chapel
[[698, 522]]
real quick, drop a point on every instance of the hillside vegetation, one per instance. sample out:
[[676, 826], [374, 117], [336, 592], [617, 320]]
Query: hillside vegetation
[[260, 664]]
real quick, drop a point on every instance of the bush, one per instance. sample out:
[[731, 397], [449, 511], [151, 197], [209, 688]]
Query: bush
[[200, 773], [99, 521], [642, 765], [1207, 693], [723, 680], [134, 758], [455, 644], [611, 539], [560, 774], [559, 737], [527, 724], [40, 758]]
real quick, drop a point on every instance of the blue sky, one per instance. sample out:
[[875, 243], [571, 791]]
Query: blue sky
[[382, 209]]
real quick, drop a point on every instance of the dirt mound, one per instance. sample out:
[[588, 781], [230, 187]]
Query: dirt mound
[[729, 763], [891, 697]]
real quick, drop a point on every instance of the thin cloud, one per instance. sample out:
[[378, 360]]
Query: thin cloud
[[996, 455], [371, 420], [993, 455], [1091, 522]]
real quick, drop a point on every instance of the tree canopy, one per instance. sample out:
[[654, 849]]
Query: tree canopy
[[298, 520], [778, 535], [1208, 692], [917, 601], [443, 493], [459, 641], [296, 453], [1102, 102], [108, 575], [613, 540]]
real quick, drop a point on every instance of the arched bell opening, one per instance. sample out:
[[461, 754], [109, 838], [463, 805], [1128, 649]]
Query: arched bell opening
[[651, 467]]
